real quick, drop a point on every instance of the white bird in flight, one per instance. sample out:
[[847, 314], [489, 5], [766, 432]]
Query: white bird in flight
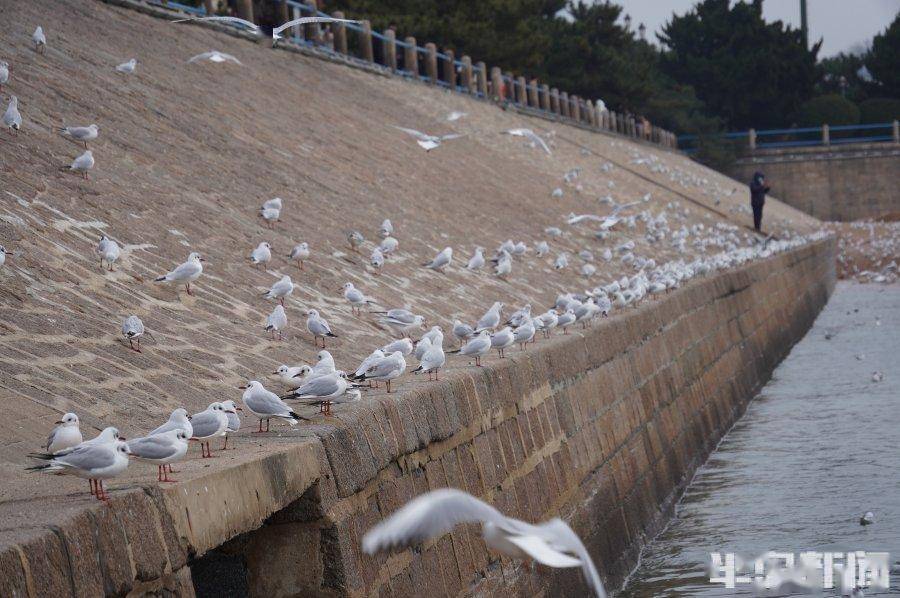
[[435, 513], [227, 20], [531, 136], [215, 56], [276, 33], [429, 142]]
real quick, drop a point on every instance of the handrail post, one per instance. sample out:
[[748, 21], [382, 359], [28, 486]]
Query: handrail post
[[554, 101], [431, 63], [466, 82], [497, 83], [481, 79], [411, 57], [366, 50], [591, 114], [450, 70], [284, 12], [340, 33], [575, 110], [544, 97], [533, 94], [564, 104], [389, 50], [521, 91], [751, 136], [826, 135], [896, 131], [312, 29], [245, 10]]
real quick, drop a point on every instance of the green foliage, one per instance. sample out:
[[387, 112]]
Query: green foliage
[[841, 74], [879, 110], [883, 60], [749, 72], [831, 109]]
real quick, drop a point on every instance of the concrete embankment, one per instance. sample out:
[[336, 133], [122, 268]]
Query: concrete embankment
[[603, 428], [599, 427]]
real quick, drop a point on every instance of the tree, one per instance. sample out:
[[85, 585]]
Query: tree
[[832, 109], [748, 72], [841, 74], [883, 61]]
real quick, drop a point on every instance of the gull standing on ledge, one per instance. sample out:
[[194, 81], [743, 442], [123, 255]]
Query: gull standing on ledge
[[108, 250], [318, 327], [66, 434], [280, 289], [127, 67], [435, 513], [262, 254], [11, 118], [179, 420], [91, 462], [82, 164], [441, 260], [477, 346], [299, 253], [208, 424], [276, 321], [39, 40], [82, 134], [186, 273], [133, 329], [161, 449], [266, 405]]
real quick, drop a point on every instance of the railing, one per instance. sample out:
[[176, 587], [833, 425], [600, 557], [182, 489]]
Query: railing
[[803, 136], [444, 70]]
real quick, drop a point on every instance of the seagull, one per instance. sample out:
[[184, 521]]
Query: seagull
[[262, 254], [429, 142], [292, 377], [562, 260], [476, 346], [355, 298], [234, 420], [161, 449], [462, 331], [377, 259], [385, 369], [108, 250], [356, 240], [276, 33], [401, 321], [318, 327], [133, 329], [531, 136], [368, 361], [82, 134], [281, 289], [39, 40], [127, 67], [441, 260], [387, 229], [491, 318], [65, 435], [404, 345], [299, 253], [92, 462], [82, 164], [549, 320], [433, 358], [266, 405], [388, 245], [476, 262], [208, 424], [227, 20], [542, 248], [178, 420], [270, 215], [454, 116], [4, 73], [215, 56], [502, 339], [186, 273], [435, 513], [504, 264], [276, 203], [324, 365], [520, 316], [276, 321], [324, 391], [565, 320], [11, 118]]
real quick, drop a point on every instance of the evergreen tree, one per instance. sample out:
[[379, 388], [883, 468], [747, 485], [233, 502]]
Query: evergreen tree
[[883, 61]]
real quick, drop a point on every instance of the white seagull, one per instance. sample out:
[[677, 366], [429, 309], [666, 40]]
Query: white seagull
[[66, 434], [266, 405], [441, 260], [127, 67], [82, 134], [92, 462], [261, 255], [185, 273], [215, 56], [281, 289], [276, 321], [39, 40], [300, 253], [276, 33], [82, 164], [531, 136], [161, 449], [11, 118], [109, 250], [318, 327]]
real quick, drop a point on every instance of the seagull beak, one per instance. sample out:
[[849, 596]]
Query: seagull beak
[[242, 388], [273, 373], [58, 422], [238, 408], [122, 438], [231, 412], [202, 259]]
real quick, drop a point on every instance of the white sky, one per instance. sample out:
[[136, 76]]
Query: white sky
[[842, 24]]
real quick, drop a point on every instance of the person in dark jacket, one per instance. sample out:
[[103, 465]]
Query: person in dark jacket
[[758, 190]]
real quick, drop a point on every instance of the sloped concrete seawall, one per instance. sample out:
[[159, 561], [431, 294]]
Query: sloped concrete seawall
[[603, 428]]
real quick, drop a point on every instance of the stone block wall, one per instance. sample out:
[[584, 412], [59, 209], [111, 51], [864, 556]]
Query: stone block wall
[[843, 182], [602, 428]]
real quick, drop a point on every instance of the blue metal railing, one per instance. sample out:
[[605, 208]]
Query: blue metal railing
[[802, 136]]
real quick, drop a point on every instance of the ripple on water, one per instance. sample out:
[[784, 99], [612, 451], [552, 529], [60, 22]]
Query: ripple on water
[[815, 450]]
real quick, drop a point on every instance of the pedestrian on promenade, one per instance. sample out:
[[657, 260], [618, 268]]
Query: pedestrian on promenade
[[758, 190]]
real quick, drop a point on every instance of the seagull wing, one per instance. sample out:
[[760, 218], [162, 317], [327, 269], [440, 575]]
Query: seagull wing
[[88, 457], [268, 404], [232, 20], [322, 386], [306, 21], [560, 536], [538, 549], [429, 515], [417, 134], [536, 138], [152, 447], [185, 270], [203, 56], [236, 61]]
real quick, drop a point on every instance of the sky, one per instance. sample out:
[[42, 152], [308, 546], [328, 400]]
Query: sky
[[842, 24]]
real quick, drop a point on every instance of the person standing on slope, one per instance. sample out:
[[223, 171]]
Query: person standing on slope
[[758, 190]]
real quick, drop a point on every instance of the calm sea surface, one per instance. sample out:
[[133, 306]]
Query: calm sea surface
[[816, 449]]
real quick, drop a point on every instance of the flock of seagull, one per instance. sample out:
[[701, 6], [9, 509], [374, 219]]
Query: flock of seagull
[[323, 384]]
